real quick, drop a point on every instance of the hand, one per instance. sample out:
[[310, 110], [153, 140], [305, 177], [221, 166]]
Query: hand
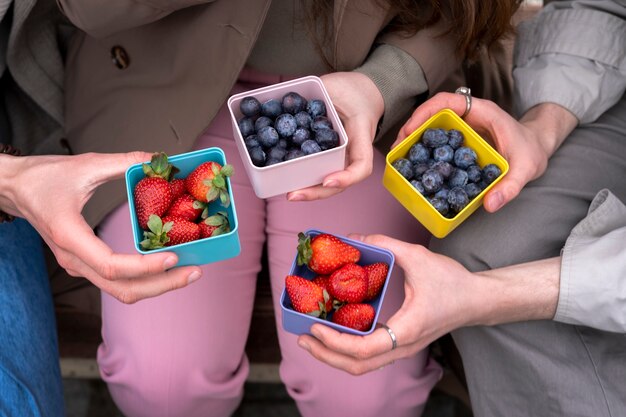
[[440, 296], [360, 106], [51, 191], [526, 145], [436, 302]]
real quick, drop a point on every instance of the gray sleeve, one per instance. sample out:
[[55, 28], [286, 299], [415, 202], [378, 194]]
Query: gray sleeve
[[593, 268], [399, 78], [572, 54]]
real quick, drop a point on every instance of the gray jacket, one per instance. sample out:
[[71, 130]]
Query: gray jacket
[[574, 54]]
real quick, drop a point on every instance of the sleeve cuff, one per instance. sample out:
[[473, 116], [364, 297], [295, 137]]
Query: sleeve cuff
[[592, 291], [399, 78]]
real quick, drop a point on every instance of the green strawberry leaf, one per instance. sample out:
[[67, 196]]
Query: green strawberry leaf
[[304, 249], [228, 170], [224, 198]]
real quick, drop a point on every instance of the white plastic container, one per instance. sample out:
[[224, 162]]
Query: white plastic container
[[297, 173]]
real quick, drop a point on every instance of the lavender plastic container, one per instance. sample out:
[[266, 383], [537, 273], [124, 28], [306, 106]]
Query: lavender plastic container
[[300, 172], [300, 323]]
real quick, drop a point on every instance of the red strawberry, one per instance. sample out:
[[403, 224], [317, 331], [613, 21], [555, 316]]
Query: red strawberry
[[322, 281], [153, 194], [376, 276], [186, 207], [169, 231], [208, 182], [214, 225], [325, 253], [355, 316], [178, 187], [306, 296], [348, 284]]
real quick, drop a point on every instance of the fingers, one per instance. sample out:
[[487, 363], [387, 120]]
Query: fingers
[[131, 290]]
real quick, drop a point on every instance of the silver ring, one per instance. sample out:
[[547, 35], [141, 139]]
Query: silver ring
[[465, 91], [394, 341]]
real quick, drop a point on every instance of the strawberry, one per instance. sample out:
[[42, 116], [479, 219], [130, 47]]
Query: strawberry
[[208, 182], [214, 225], [153, 194], [306, 296], [376, 276], [186, 207], [348, 284], [355, 316], [325, 253], [322, 281], [169, 231], [178, 187]]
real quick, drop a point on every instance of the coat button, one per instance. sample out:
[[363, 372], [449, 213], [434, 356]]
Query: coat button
[[120, 57]]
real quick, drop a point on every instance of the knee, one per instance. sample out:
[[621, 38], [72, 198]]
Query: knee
[[174, 386]]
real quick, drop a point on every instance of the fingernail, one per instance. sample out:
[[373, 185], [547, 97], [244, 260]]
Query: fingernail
[[193, 277], [170, 262], [496, 201], [330, 183], [296, 197], [304, 345]]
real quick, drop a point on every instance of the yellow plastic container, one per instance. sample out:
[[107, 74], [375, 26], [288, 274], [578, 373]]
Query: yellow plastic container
[[413, 200]]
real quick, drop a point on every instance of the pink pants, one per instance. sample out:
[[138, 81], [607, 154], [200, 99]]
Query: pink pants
[[182, 353]]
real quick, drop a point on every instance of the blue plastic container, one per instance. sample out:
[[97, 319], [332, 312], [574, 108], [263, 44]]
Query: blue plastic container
[[197, 252], [300, 323]]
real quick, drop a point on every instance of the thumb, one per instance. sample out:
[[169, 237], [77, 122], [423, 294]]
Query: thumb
[[405, 253], [114, 165], [504, 191]]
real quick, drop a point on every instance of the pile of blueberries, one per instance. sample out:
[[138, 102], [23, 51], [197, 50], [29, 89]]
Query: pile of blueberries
[[444, 171], [281, 130]]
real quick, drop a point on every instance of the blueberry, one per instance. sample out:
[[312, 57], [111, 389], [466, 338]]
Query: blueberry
[[257, 155], [271, 108], [303, 119], [327, 138], [464, 157], [316, 108], [310, 147], [443, 193], [457, 199], [285, 125], [293, 103], [419, 153], [443, 153], [282, 143], [300, 136], [455, 138], [473, 173], [418, 186], [272, 162], [293, 154], [458, 178], [444, 168], [434, 138], [261, 122], [268, 136], [404, 167], [472, 189], [277, 153], [440, 205], [321, 122], [252, 141], [250, 106], [432, 181], [490, 173], [246, 126], [419, 169]]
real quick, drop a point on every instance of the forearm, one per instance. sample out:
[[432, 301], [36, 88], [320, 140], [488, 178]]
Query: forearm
[[552, 123], [528, 291]]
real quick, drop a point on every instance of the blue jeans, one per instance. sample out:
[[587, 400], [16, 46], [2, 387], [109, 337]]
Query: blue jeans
[[30, 377]]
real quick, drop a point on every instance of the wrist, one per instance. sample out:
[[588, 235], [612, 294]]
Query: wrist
[[10, 166], [522, 292], [550, 123]]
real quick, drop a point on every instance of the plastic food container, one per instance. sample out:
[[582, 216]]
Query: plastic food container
[[202, 251], [297, 173], [300, 323], [413, 200]]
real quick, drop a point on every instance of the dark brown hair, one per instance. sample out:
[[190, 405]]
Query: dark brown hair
[[475, 24]]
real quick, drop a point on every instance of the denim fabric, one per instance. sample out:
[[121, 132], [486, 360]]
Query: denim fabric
[[30, 378]]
